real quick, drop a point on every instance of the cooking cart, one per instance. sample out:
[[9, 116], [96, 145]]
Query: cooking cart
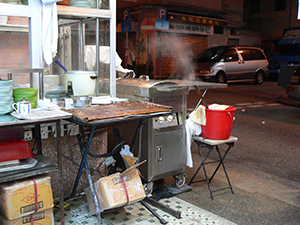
[[164, 138]]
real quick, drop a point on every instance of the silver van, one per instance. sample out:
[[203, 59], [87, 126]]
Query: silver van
[[231, 63]]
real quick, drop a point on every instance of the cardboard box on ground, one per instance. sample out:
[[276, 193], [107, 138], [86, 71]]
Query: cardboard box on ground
[[112, 192], [21, 198]]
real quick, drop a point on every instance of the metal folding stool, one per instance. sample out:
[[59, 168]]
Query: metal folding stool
[[210, 144]]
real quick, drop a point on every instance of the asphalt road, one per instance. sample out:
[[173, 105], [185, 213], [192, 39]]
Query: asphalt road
[[263, 165]]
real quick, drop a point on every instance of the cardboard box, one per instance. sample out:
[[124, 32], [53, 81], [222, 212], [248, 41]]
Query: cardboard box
[[18, 198], [110, 190], [38, 218]]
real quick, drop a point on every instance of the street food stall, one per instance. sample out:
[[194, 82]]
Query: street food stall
[[108, 115], [158, 108]]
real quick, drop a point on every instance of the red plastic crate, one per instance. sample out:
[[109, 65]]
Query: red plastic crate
[[12, 149]]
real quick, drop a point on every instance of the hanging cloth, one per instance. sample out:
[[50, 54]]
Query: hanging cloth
[[50, 32]]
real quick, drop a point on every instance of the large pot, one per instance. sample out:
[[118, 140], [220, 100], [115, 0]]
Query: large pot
[[80, 83]]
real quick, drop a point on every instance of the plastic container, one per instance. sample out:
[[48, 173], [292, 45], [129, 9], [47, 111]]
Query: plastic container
[[12, 149], [82, 83], [30, 94], [218, 123]]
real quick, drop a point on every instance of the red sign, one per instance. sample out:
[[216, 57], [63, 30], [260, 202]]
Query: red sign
[[148, 27]]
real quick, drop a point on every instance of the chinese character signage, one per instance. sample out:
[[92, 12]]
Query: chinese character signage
[[199, 20], [191, 29]]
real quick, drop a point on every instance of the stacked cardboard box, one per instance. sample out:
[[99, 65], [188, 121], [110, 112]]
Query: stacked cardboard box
[[28, 200]]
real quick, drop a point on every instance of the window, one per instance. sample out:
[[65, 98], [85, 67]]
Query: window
[[218, 30], [251, 54], [233, 41], [247, 54], [254, 6], [279, 5], [258, 54], [231, 56]]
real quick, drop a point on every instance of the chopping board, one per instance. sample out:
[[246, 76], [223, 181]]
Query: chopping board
[[100, 112]]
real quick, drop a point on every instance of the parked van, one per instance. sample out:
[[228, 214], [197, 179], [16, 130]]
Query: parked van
[[231, 63], [286, 52]]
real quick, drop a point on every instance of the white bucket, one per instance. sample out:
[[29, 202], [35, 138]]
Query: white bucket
[[83, 82]]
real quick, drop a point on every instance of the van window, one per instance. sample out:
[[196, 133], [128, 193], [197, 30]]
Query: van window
[[258, 54], [210, 55], [252, 54], [231, 55], [247, 54]]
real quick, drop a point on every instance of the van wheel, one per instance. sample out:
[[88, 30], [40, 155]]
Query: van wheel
[[259, 77], [220, 78]]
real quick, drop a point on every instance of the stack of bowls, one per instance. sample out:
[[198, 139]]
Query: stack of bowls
[[6, 98], [29, 94]]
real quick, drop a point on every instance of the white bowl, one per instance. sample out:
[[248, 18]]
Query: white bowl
[[52, 80], [6, 83], [6, 98]]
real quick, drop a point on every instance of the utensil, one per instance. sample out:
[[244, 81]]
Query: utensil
[[201, 95], [58, 63]]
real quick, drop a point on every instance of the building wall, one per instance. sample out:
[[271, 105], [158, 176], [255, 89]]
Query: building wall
[[271, 23], [212, 5], [174, 54]]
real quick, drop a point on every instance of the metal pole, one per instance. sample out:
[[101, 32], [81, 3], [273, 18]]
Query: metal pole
[[160, 55], [97, 53]]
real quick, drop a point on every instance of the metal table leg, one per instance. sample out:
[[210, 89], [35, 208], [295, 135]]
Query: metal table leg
[[61, 190], [162, 221], [84, 150], [202, 163], [220, 162]]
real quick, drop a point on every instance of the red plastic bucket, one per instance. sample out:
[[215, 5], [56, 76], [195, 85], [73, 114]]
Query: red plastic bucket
[[218, 123]]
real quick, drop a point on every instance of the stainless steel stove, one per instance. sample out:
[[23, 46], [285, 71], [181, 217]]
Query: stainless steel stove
[[163, 142]]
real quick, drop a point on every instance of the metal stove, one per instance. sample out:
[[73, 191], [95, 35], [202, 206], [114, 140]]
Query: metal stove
[[163, 142]]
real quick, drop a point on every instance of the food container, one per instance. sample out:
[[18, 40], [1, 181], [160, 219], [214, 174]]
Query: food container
[[12, 149], [82, 101], [58, 101], [82, 83], [52, 80], [30, 94]]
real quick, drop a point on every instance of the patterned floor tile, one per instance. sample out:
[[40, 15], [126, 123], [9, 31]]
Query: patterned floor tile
[[137, 214]]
